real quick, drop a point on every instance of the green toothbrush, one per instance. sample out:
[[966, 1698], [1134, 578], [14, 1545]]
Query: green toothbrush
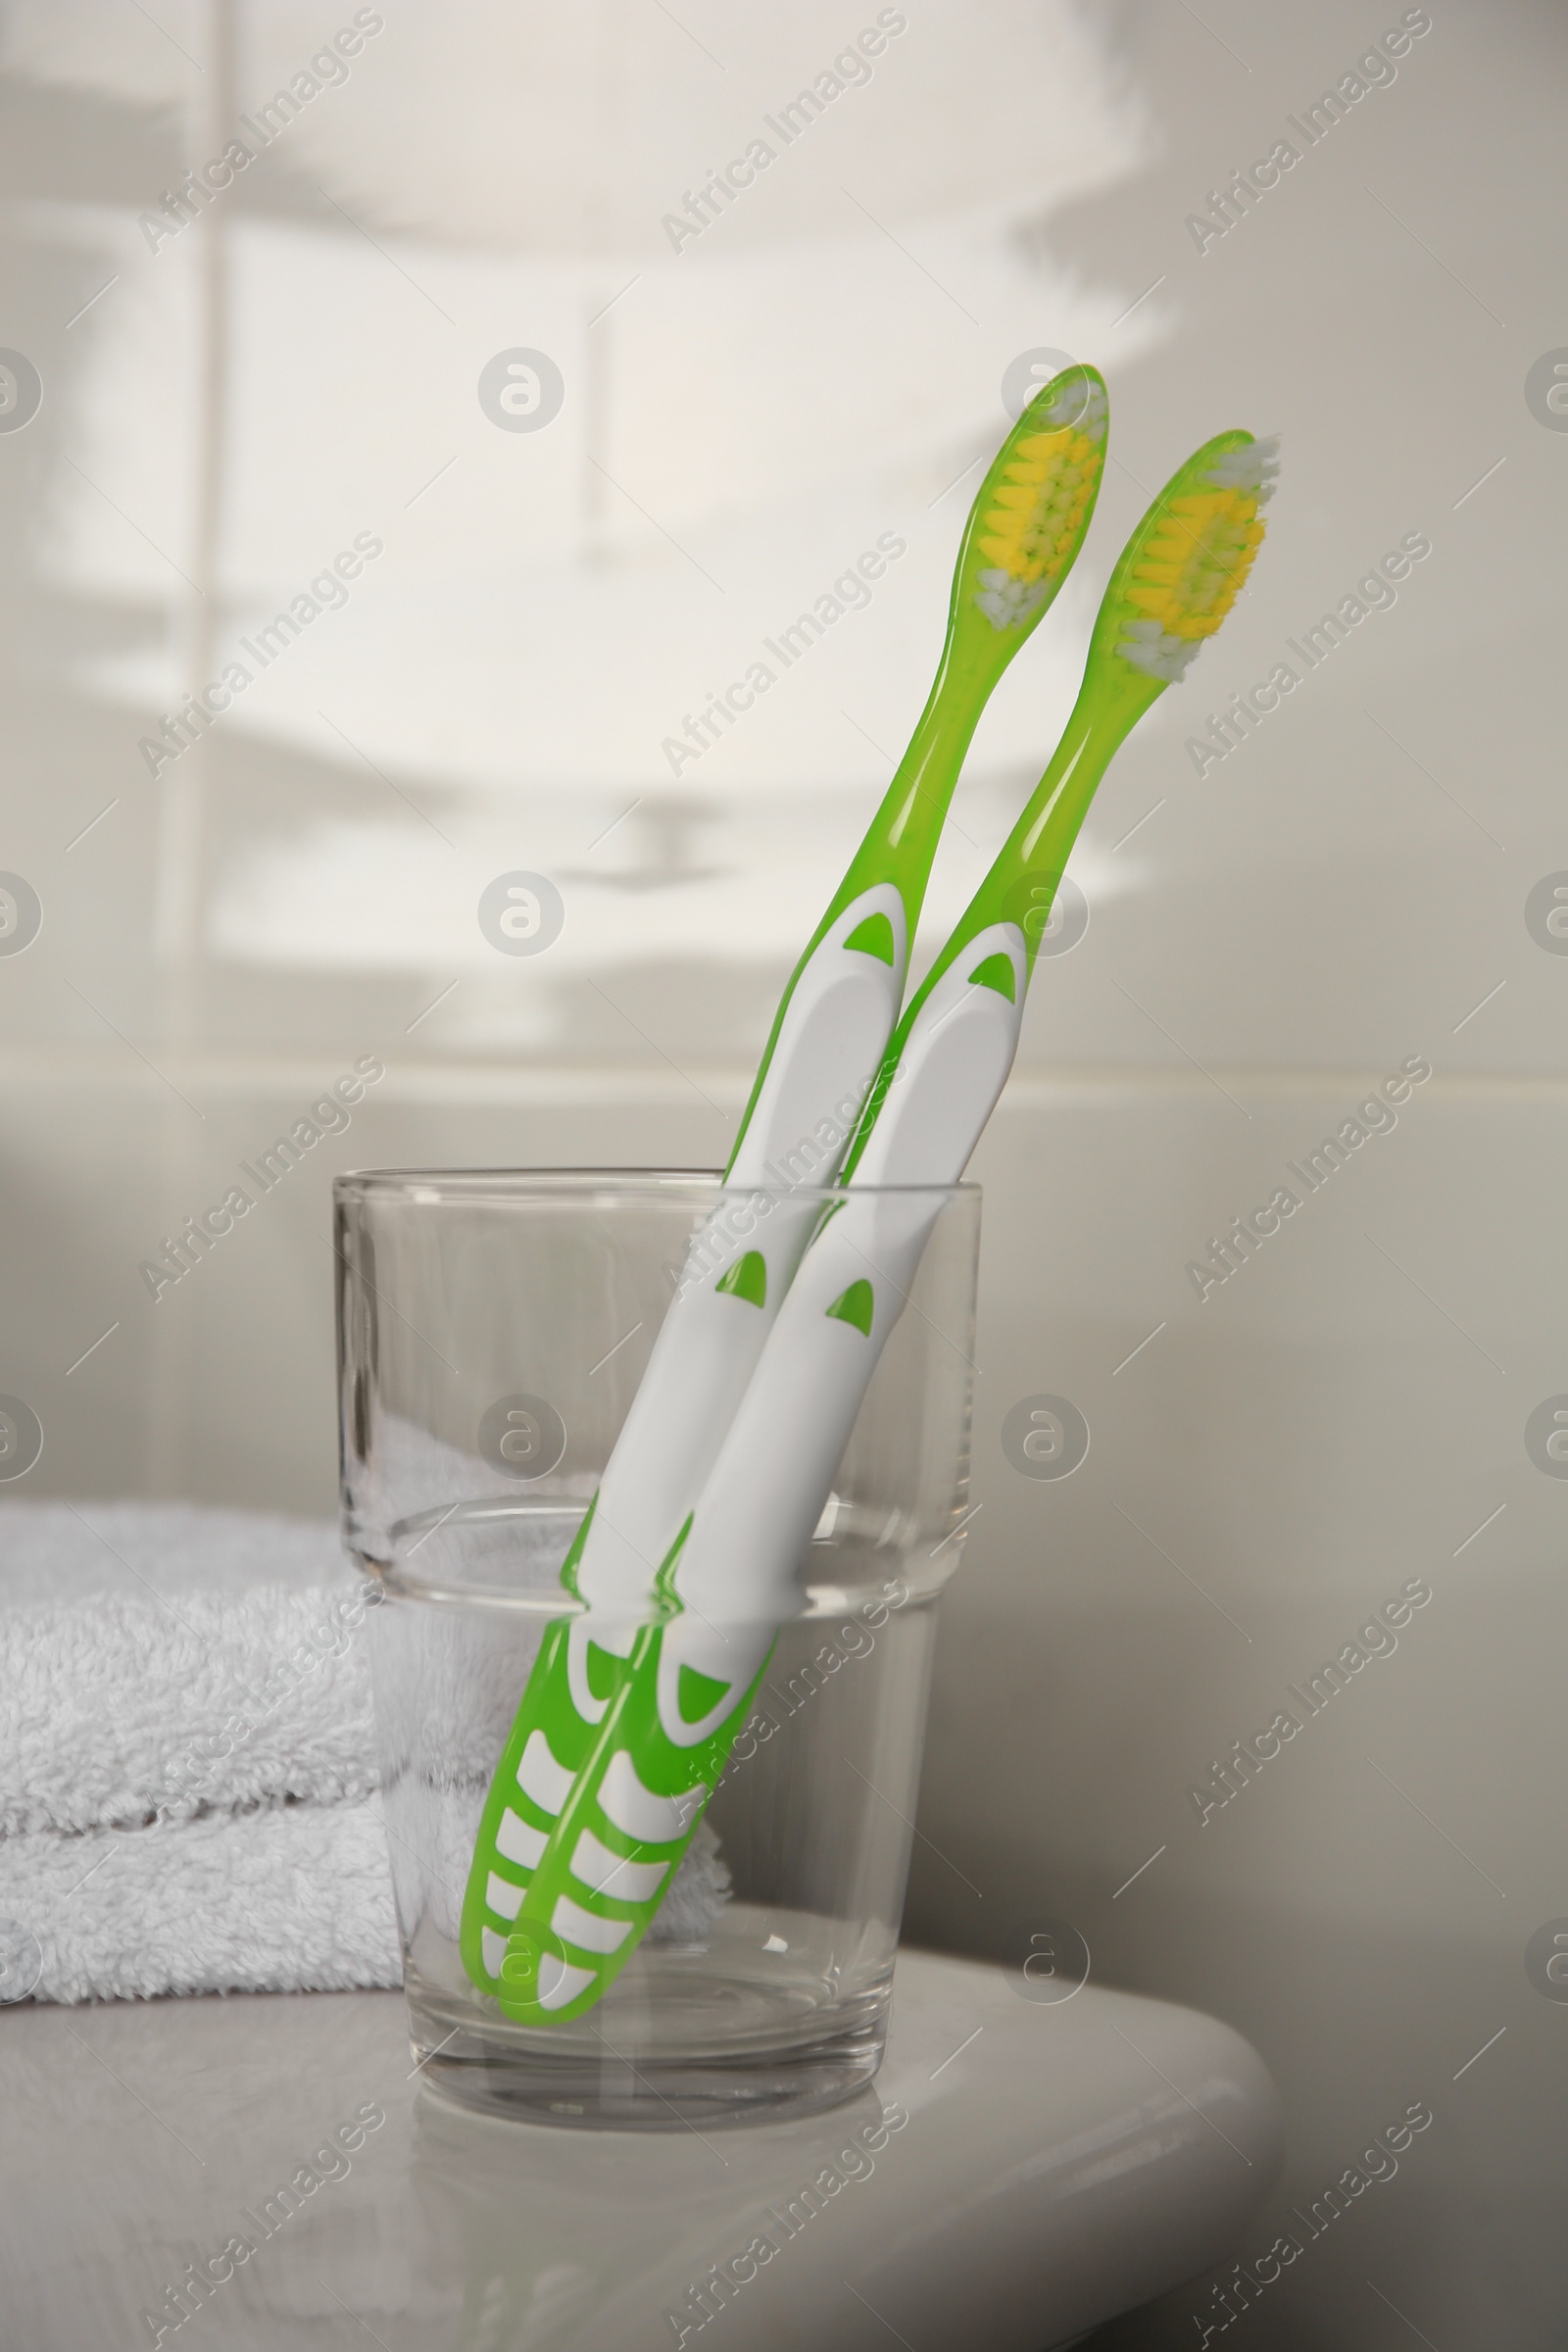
[[1024, 530], [730, 1580]]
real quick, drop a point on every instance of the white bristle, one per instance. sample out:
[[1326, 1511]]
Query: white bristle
[[1007, 602], [1092, 421], [1143, 645], [1254, 466]]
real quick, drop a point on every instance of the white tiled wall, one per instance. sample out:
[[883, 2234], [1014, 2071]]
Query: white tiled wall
[[1344, 892]]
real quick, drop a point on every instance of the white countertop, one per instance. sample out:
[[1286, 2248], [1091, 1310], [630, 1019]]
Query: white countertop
[[1071, 2160]]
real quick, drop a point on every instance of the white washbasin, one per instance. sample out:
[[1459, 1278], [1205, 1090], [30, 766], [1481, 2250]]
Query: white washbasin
[[1070, 2161]]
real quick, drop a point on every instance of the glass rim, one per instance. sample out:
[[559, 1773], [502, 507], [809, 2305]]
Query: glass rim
[[586, 1184]]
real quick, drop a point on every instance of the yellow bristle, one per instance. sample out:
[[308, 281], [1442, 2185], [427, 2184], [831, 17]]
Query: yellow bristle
[[1201, 551], [1031, 519], [1193, 564]]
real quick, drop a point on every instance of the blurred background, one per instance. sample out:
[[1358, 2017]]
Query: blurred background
[[585, 440]]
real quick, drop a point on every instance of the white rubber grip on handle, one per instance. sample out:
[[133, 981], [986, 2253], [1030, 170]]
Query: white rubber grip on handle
[[835, 1030], [773, 1472]]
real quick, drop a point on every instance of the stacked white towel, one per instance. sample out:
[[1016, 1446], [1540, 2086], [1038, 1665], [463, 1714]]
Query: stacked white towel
[[187, 1762], [188, 1768]]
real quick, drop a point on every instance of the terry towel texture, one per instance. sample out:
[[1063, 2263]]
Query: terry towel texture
[[187, 1765], [156, 1659], [288, 1898], [189, 1792]]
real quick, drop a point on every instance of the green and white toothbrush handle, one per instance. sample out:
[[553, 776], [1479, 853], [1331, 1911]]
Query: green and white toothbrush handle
[[834, 1032], [830, 1039], [1022, 536], [620, 1829]]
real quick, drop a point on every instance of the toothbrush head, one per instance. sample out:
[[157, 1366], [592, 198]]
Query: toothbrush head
[[1032, 510], [1189, 558]]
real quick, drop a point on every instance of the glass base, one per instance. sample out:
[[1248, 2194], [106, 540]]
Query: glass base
[[619, 2078]]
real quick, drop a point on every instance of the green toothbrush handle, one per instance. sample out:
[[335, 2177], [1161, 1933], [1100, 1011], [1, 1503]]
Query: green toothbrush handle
[[832, 1035], [615, 1845], [627, 1818]]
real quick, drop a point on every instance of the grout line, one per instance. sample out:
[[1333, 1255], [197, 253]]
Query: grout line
[[238, 1076]]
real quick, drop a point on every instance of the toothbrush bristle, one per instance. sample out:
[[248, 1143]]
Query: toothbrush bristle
[[1033, 518], [1194, 560]]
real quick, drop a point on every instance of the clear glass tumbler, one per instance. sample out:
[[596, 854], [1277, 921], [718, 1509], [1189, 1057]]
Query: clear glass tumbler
[[493, 1328]]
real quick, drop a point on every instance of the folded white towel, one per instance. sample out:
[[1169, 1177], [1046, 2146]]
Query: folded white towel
[[158, 1658], [187, 1756], [188, 1762], [290, 1899]]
